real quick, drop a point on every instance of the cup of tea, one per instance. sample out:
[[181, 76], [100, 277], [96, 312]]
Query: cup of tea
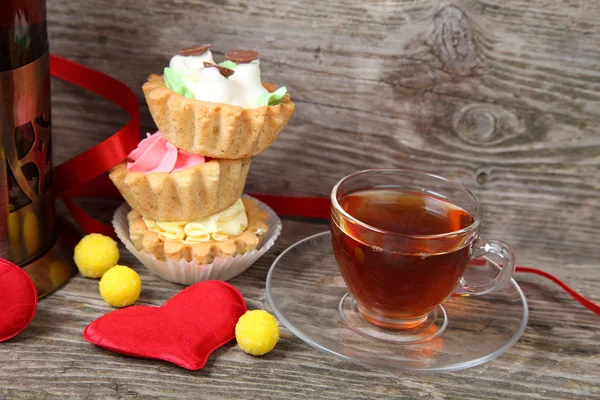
[[403, 239]]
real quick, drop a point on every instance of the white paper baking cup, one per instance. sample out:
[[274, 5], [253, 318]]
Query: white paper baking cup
[[188, 273]]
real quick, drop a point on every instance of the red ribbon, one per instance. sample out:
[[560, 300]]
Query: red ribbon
[[82, 176], [90, 164], [595, 308]]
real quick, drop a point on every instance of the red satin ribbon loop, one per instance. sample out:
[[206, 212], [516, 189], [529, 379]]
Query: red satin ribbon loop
[[105, 155], [80, 170], [87, 223]]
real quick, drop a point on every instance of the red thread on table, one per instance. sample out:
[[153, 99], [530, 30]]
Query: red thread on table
[[82, 175], [595, 308]]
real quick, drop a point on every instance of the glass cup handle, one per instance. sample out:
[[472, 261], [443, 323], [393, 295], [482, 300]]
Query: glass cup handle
[[500, 249]]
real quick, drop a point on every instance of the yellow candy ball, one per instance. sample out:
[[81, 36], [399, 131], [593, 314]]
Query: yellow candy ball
[[120, 286], [257, 332], [95, 254]]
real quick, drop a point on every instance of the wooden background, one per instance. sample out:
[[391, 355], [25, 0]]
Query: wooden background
[[501, 96]]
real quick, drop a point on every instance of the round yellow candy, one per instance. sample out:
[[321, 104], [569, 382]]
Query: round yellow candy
[[120, 286], [95, 254], [257, 332]]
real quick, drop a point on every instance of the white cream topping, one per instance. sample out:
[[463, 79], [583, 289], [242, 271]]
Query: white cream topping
[[247, 85], [243, 88], [214, 87], [221, 226], [190, 67]]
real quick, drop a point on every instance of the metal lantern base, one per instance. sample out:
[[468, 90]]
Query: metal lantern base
[[55, 266]]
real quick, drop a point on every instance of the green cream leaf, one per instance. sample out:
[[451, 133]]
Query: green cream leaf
[[176, 83], [228, 64], [272, 99]]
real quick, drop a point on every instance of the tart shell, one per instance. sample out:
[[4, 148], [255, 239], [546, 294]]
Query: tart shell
[[192, 193], [213, 129]]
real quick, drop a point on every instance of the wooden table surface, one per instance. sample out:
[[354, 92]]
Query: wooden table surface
[[557, 357], [503, 97]]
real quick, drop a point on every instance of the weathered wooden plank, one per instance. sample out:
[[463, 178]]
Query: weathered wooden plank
[[557, 357], [428, 105]]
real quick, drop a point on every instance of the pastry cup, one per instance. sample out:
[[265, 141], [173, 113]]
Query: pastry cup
[[214, 129], [203, 252], [192, 193], [189, 272]]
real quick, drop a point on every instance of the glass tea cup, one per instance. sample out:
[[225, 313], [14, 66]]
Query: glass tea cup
[[402, 240]]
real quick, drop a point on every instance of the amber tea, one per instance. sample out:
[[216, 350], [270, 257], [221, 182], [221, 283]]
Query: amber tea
[[392, 278]]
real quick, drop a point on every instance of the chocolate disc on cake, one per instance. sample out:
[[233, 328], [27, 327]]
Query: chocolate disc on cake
[[241, 56], [226, 72], [194, 50]]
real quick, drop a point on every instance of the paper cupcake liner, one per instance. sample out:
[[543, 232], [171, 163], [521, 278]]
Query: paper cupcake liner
[[190, 272]]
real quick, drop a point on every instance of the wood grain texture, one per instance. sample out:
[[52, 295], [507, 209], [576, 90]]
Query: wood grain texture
[[501, 96], [557, 358]]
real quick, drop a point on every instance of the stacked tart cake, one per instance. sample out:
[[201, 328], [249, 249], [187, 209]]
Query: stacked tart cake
[[184, 183]]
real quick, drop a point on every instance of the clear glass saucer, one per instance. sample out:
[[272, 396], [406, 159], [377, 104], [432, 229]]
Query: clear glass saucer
[[305, 290]]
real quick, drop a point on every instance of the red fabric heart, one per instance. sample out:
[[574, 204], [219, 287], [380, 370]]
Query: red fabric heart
[[185, 330], [18, 300]]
